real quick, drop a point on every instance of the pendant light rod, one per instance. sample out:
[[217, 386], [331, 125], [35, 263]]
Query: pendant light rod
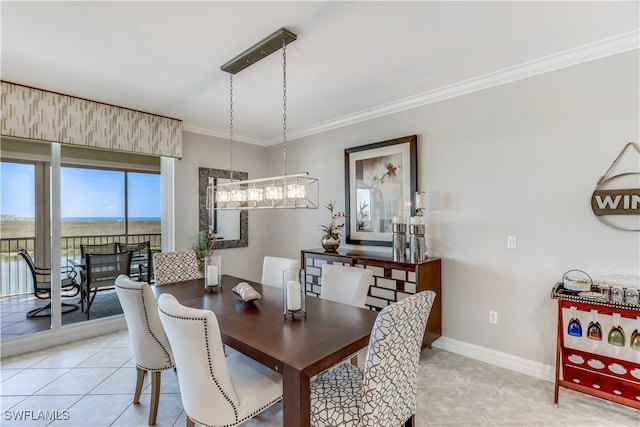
[[262, 49]]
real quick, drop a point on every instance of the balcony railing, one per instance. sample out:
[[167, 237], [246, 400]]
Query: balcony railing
[[15, 273]]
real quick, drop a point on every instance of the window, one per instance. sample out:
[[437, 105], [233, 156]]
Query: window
[[94, 202]]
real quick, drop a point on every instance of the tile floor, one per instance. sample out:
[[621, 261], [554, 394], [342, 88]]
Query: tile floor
[[91, 382]]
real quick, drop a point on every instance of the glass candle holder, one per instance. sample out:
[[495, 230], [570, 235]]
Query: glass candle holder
[[617, 294], [293, 293], [212, 273], [631, 296]]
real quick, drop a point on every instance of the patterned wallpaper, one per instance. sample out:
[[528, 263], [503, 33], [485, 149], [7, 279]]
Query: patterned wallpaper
[[37, 114]]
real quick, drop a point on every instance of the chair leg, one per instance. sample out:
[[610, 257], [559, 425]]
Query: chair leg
[[34, 312], [190, 422], [411, 422], [90, 300], [139, 381], [155, 396]]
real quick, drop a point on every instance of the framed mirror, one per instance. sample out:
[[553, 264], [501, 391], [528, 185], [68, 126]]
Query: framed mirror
[[229, 228]]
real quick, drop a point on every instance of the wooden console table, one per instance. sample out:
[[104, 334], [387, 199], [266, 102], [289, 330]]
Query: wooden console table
[[594, 366], [392, 280]]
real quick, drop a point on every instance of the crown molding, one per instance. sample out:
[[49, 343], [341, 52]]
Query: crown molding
[[621, 43]]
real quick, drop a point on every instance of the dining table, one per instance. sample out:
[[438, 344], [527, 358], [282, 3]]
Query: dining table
[[297, 348]]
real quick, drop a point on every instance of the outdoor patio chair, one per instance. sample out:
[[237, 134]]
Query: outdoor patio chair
[[104, 248], [42, 288], [141, 265], [102, 270]]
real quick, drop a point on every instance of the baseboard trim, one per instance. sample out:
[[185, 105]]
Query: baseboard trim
[[77, 331], [497, 358]]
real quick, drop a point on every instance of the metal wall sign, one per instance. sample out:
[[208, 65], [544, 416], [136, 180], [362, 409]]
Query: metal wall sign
[[616, 199]]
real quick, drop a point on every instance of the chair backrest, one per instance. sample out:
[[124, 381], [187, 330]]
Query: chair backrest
[[392, 361], [177, 266], [37, 286], [140, 259], [273, 267], [106, 248], [348, 285], [203, 374], [102, 270], [150, 345]]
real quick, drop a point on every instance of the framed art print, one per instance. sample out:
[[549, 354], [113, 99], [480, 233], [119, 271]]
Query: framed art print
[[380, 181]]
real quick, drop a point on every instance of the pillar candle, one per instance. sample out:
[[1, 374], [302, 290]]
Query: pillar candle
[[416, 220], [293, 296], [212, 275]]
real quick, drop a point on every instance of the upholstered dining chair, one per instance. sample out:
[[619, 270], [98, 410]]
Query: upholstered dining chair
[[348, 285], [273, 267], [215, 390], [176, 266], [42, 288], [151, 349], [384, 392]]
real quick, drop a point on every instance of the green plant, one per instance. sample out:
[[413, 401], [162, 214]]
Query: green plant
[[333, 229], [203, 248]]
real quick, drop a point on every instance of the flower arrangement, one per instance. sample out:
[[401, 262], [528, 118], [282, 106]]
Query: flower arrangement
[[333, 229]]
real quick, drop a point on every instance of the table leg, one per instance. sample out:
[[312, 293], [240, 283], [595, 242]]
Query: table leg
[[296, 397], [559, 342]]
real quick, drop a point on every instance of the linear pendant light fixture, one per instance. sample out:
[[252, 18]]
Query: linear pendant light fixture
[[296, 191]]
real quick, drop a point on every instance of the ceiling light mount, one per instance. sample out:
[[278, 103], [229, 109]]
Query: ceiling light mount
[[262, 49]]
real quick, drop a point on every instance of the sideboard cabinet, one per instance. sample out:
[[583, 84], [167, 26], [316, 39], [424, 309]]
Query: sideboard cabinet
[[392, 280]]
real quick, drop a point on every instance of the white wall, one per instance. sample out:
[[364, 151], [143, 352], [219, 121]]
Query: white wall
[[520, 159]]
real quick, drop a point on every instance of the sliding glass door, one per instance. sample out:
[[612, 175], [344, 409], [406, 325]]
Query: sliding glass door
[[78, 196]]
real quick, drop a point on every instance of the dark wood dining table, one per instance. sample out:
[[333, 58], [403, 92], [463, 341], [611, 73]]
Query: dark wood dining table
[[296, 348]]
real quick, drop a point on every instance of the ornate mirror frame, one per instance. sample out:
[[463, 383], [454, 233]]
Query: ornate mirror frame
[[203, 175]]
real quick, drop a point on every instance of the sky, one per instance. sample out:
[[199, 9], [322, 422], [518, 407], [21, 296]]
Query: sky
[[87, 193]]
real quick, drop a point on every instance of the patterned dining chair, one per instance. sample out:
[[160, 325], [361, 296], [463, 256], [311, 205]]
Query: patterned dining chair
[[384, 392], [273, 267], [215, 390], [151, 349], [177, 266]]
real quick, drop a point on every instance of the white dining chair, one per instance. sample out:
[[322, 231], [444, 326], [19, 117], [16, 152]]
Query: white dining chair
[[345, 284], [176, 266], [384, 392], [215, 390], [273, 268], [149, 343]]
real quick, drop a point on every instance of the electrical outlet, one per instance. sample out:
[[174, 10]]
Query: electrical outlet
[[512, 242], [493, 317]]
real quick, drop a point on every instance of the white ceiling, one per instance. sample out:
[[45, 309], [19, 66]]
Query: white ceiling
[[352, 60]]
